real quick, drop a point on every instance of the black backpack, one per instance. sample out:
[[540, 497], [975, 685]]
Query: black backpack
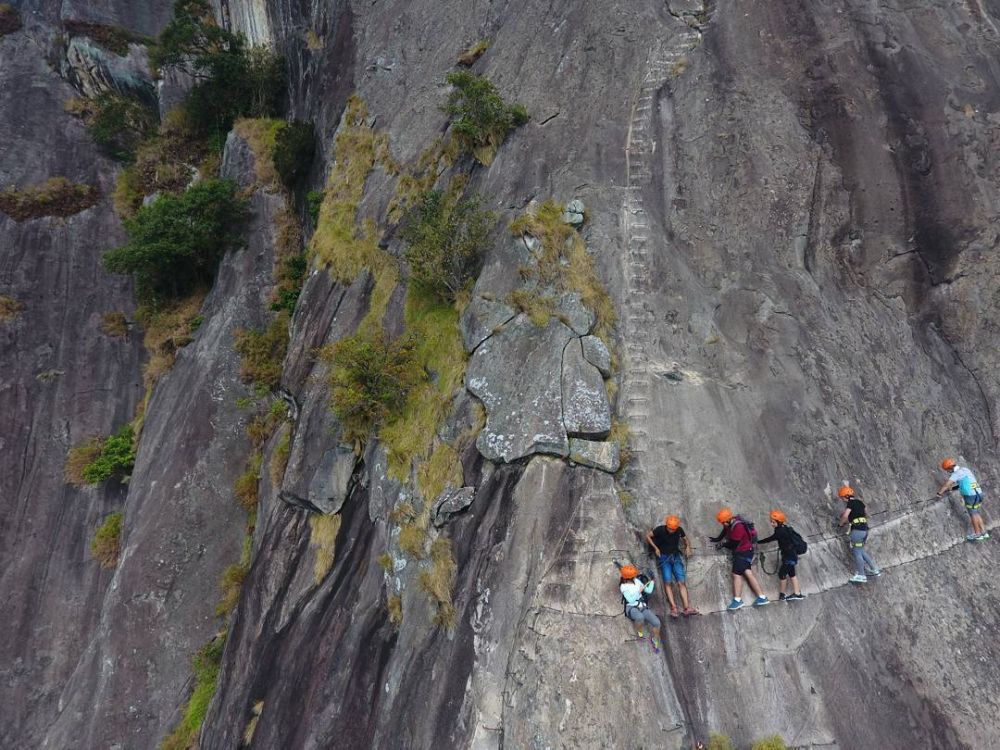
[[799, 546]]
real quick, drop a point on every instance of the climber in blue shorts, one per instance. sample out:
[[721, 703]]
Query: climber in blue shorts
[[965, 482]]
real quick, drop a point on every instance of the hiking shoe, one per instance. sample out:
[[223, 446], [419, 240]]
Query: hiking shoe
[[656, 645], [760, 601], [690, 611], [971, 537], [795, 598], [674, 614], [640, 633], [983, 537], [858, 579], [875, 573], [782, 597], [735, 604]]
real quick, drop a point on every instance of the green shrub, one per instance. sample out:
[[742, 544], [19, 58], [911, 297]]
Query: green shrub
[[263, 352], [294, 148], [57, 196], [206, 676], [117, 457], [106, 544], [371, 379], [176, 242], [481, 119], [232, 79], [718, 741], [291, 273], [10, 20], [314, 199], [446, 238], [119, 124], [774, 742]]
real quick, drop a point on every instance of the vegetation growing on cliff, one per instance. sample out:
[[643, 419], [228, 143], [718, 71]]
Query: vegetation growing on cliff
[[176, 242], [446, 236], [262, 353], [323, 530], [10, 19], [106, 544], [113, 38], [371, 378], [439, 580], [57, 196], [95, 460], [563, 264], [206, 676], [9, 308], [481, 119]]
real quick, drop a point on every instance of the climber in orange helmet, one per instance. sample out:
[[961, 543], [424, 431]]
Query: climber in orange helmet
[[739, 535], [672, 547], [635, 588]]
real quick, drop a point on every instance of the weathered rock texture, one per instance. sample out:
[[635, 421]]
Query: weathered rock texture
[[793, 206]]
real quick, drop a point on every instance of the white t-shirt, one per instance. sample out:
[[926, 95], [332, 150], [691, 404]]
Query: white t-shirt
[[633, 590], [965, 480]]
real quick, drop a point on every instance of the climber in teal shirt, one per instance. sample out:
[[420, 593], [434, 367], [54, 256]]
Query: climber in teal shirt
[[965, 482]]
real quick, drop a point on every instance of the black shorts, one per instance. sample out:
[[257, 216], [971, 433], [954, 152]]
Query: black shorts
[[787, 569], [742, 563]]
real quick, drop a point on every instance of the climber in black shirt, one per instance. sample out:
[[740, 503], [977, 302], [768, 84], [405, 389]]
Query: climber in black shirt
[[786, 539]]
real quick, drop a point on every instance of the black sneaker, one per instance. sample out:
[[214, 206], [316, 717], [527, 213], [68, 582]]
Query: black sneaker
[[782, 597], [795, 597]]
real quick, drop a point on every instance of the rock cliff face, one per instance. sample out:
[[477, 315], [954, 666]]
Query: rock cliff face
[[792, 207]]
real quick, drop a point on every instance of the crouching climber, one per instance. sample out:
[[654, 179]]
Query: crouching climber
[[790, 545], [963, 480], [672, 547], [739, 536], [853, 515], [636, 589]]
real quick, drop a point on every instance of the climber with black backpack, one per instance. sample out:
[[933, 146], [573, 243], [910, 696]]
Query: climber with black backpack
[[739, 535], [791, 545], [635, 588]]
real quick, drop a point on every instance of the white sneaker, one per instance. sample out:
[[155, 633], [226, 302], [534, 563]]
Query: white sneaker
[[858, 579]]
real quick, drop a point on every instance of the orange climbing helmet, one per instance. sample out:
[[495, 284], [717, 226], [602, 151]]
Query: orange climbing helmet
[[724, 516], [845, 492], [948, 464], [673, 522], [778, 517], [629, 572]]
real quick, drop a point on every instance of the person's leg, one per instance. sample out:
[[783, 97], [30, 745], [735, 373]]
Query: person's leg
[[795, 580], [752, 583], [654, 626], [782, 581], [683, 589], [637, 617], [737, 586], [858, 550], [667, 571]]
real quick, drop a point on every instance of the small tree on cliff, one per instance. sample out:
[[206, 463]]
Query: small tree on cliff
[[176, 242]]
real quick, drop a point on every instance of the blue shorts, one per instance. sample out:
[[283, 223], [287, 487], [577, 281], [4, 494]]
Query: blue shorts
[[973, 503], [672, 568]]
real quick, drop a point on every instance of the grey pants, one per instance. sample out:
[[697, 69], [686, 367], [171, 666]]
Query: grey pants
[[643, 615], [862, 560]]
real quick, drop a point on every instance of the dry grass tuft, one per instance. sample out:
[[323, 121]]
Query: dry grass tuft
[[231, 585], [395, 605], [246, 488], [115, 325], [262, 135], [323, 532], [9, 308], [473, 52], [166, 330], [105, 547], [57, 196], [439, 581], [279, 458], [81, 456]]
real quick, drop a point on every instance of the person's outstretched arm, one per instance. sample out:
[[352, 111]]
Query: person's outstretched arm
[[649, 538]]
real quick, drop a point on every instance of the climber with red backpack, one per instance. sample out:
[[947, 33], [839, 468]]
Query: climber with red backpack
[[791, 545], [739, 535]]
